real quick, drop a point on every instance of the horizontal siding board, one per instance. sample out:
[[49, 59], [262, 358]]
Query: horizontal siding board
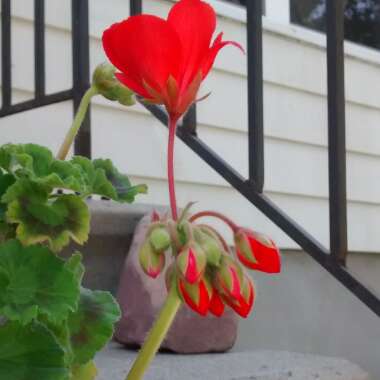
[[304, 69], [291, 167]]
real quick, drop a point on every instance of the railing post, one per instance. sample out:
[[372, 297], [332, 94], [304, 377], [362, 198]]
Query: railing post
[[6, 60], [39, 48], [81, 70], [337, 130], [135, 7], [255, 94], [190, 120]]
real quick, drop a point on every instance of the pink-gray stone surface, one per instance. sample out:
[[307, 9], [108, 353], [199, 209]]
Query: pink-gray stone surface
[[141, 298]]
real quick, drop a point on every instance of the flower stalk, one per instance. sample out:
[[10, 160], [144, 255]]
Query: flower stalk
[[171, 181], [78, 120], [173, 301], [156, 335], [217, 215]]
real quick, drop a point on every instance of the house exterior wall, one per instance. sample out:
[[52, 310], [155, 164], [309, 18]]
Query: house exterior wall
[[295, 121]]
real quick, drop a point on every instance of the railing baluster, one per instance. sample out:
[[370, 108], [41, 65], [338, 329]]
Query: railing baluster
[[39, 48], [6, 55], [135, 7], [81, 70], [255, 93], [337, 130], [190, 120]]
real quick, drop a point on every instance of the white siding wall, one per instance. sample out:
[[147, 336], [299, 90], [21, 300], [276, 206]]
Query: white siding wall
[[295, 121]]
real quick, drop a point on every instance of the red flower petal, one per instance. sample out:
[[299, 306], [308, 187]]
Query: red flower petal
[[133, 85], [195, 23], [257, 252], [216, 304], [199, 305], [145, 48], [268, 256], [243, 305], [210, 57]]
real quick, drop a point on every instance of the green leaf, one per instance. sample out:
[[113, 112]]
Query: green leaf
[[53, 221], [30, 353], [6, 180], [37, 163], [92, 325], [95, 180], [41, 159], [34, 282], [125, 192], [81, 175], [85, 372], [74, 264]]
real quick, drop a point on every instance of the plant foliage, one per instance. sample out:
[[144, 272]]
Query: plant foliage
[[50, 326]]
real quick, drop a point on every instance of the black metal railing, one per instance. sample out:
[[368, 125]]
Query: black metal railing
[[80, 66], [333, 259]]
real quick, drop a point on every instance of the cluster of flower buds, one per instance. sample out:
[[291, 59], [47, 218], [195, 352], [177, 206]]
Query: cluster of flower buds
[[208, 275], [108, 85]]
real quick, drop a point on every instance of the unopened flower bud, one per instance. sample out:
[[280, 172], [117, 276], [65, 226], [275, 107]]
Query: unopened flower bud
[[155, 217], [197, 296], [243, 304], [151, 262], [107, 85], [212, 249], [160, 239], [229, 277], [191, 262], [256, 251]]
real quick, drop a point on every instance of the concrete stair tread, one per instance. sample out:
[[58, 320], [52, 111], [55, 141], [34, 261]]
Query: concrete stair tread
[[252, 365]]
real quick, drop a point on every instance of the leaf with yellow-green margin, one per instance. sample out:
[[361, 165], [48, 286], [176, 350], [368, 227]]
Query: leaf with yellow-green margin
[[85, 372]]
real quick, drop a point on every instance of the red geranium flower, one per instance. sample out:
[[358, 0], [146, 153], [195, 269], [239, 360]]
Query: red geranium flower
[[165, 61]]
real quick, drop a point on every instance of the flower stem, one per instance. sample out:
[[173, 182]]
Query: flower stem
[[78, 120], [171, 182], [217, 215], [156, 335]]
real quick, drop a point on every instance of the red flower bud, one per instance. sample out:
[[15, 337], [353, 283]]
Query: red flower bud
[[155, 217], [256, 251], [151, 262], [216, 304], [229, 277], [191, 262], [197, 296], [244, 304]]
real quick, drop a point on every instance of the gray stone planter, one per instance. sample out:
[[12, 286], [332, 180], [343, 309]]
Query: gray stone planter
[[141, 298]]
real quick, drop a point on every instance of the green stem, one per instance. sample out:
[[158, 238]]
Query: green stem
[[217, 215], [156, 335], [78, 120]]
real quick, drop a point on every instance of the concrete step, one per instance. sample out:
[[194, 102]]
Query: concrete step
[[115, 361]]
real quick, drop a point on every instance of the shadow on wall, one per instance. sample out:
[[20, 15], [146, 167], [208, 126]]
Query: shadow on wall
[[306, 310]]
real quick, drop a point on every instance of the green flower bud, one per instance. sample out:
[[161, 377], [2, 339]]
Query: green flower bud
[[210, 245], [160, 239], [152, 263], [212, 250], [107, 85]]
